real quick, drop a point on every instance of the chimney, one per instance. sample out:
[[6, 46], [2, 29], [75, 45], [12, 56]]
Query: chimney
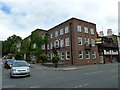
[[109, 32]]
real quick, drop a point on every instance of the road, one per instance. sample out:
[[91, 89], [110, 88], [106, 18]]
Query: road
[[98, 77]]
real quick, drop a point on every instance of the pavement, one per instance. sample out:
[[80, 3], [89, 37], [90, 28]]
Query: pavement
[[70, 67]]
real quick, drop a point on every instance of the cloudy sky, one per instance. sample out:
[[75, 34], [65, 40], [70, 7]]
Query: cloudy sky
[[20, 17]]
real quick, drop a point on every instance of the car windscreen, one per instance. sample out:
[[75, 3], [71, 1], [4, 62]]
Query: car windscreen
[[19, 64]]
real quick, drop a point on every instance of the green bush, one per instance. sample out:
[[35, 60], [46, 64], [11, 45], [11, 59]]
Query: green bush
[[42, 58], [18, 56], [55, 59]]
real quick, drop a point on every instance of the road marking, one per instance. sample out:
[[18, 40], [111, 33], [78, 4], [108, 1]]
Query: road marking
[[35, 87], [80, 86], [51, 79], [93, 72], [114, 76]]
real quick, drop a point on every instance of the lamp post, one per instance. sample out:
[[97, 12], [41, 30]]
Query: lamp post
[[55, 53]]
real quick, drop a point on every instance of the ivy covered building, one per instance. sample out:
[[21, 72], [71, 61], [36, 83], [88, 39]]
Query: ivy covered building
[[73, 41]]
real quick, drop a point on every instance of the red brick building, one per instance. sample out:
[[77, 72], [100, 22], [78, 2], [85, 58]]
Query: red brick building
[[74, 42]]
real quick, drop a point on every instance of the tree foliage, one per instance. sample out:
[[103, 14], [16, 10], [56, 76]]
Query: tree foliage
[[8, 46]]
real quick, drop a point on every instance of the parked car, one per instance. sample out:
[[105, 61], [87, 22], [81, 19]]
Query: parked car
[[20, 68], [8, 63]]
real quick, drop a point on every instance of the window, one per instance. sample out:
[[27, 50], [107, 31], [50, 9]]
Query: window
[[51, 35], [86, 41], [51, 55], [79, 28], [43, 46], [56, 44], [51, 46], [48, 46], [67, 55], [42, 36], [66, 29], [79, 40], [56, 33], [92, 31], [61, 43], [80, 55], [87, 54], [94, 54], [34, 45], [86, 29], [93, 42], [67, 41], [61, 32], [62, 55]]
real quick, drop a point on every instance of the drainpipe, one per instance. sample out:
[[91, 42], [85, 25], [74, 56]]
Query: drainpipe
[[71, 43]]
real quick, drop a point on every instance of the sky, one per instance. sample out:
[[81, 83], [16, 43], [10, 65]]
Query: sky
[[21, 17]]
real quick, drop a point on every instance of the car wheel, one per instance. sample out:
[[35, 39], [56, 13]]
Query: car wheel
[[29, 75], [11, 76]]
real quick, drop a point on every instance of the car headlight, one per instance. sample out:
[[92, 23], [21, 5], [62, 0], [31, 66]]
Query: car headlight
[[28, 69]]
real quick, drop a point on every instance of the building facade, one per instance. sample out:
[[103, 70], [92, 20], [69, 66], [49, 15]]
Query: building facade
[[74, 41], [108, 49]]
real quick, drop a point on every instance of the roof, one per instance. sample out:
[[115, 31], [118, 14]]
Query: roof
[[70, 20]]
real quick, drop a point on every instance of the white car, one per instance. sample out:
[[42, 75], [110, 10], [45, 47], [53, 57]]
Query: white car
[[20, 68]]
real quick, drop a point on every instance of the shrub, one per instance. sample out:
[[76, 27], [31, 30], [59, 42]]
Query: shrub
[[55, 59], [42, 58]]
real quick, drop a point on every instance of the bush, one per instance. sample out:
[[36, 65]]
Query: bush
[[42, 58], [55, 59], [18, 56]]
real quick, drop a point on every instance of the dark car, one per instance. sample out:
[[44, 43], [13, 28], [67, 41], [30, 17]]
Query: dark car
[[8, 63]]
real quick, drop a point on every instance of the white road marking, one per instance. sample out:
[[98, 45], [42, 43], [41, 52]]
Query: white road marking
[[35, 87], [93, 72], [114, 76], [51, 79], [81, 85]]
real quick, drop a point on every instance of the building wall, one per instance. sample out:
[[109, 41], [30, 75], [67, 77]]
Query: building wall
[[78, 48], [73, 34]]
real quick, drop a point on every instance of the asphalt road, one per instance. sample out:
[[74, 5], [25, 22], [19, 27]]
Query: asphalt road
[[100, 77]]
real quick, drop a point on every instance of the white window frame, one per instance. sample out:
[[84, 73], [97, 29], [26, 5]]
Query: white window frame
[[55, 43], [67, 42], [62, 43], [43, 36], [51, 45], [80, 54], [43, 47], [56, 34], [67, 55], [48, 46], [92, 31], [87, 54], [61, 31], [79, 40], [79, 28], [51, 35], [66, 29], [94, 55], [86, 29], [34, 45], [62, 55], [93, 42], [87, 41]]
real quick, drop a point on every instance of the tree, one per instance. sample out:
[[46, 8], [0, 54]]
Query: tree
[[46, 42], [9, 44]]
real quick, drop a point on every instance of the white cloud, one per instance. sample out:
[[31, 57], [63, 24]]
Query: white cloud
[[27, 15]]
